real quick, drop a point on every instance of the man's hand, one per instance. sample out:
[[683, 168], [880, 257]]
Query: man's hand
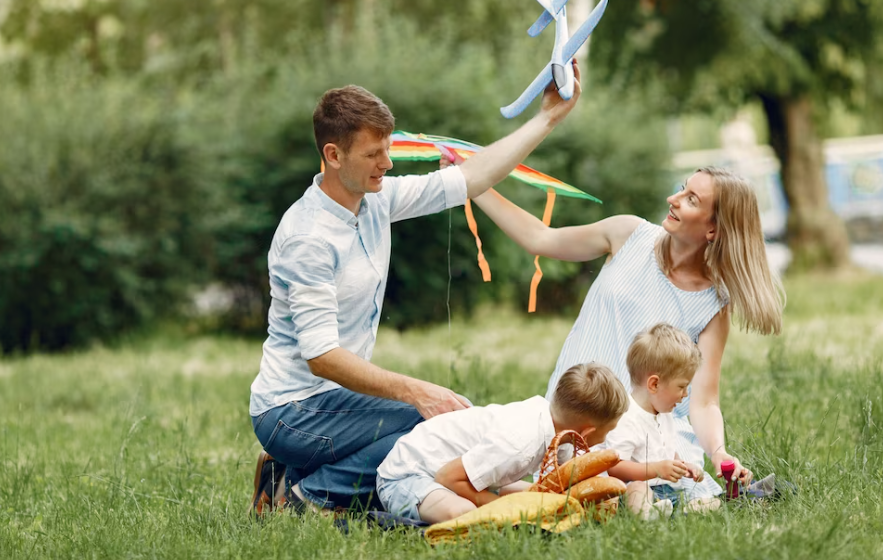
[[695, 472], [431, 400], [359, 375], [556, 108], [741, 473], [672, 471], [492, 164]]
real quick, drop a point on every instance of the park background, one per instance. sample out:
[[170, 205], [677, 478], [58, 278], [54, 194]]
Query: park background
[[150, 148]]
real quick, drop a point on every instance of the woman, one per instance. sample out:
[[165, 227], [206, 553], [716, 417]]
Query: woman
[[706, 263]]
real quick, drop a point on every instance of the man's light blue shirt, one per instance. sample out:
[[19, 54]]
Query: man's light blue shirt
[[328, 271]]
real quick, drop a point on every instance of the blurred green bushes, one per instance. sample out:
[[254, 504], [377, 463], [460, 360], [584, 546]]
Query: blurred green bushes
[[105, 220], [121, 194]]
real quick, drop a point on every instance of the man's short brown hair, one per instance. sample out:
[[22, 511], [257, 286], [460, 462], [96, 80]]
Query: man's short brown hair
[[343, 112], [664, 350], [590, 391]]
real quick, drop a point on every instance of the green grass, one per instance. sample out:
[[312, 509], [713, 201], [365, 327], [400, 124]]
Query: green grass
[[145, 450]]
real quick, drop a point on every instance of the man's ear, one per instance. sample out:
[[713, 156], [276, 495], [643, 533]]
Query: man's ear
[[332, 154], [653, 383]]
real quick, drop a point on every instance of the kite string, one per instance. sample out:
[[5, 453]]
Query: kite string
[[448, 301]]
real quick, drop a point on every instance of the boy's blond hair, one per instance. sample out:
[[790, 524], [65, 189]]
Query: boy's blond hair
[[590, 391], [664, 350]]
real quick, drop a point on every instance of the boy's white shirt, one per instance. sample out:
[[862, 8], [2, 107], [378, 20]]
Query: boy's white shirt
[[499, 444], [644, 437]]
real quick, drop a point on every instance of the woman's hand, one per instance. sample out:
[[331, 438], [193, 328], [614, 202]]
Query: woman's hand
[[740, 473], [448, 158]]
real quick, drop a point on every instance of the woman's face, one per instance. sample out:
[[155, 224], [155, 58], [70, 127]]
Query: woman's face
[[691, 210]]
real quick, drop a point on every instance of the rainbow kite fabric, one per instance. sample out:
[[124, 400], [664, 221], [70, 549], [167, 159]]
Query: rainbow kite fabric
[[424, 147]]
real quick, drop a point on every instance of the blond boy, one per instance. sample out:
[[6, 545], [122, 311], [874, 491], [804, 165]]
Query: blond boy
[[661, 362], [456, 462]]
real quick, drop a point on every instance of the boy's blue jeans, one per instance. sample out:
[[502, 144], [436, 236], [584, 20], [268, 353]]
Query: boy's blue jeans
[[332, 443]]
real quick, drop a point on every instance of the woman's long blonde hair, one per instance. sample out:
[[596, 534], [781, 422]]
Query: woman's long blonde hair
[[736, 261]]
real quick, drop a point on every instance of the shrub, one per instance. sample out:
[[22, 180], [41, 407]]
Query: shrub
[[104, 219]]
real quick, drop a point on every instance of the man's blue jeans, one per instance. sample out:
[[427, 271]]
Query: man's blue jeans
[[332, 443]]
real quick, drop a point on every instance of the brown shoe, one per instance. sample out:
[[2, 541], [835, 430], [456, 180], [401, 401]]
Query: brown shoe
[[269, 474]]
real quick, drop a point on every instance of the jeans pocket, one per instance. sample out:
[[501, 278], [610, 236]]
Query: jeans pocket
[[298, 449], [257, 421]]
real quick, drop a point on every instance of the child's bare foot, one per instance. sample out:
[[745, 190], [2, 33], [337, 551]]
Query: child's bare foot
[[702, 505], [658, 510]]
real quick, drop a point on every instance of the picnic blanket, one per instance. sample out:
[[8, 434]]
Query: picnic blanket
[[555, 513]]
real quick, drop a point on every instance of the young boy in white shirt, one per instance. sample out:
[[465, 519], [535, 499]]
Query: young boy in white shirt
[[448, 465], [661, 361]]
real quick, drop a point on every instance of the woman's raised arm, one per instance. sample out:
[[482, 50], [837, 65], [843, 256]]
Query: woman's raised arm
[[575, 243]]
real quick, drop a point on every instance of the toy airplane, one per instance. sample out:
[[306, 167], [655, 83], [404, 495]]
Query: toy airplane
[[559, 69]]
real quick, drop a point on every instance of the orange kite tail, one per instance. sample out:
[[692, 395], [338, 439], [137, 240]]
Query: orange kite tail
[[538, 275]]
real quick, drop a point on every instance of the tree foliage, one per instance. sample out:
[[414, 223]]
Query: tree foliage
[[154, 149], [794, 56], [710, 50], [105, 221]]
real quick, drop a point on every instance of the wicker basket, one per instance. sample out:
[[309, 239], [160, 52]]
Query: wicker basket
[[550, 474]]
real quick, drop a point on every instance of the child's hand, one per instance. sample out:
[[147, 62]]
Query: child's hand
[[672, 471], [695, 472]]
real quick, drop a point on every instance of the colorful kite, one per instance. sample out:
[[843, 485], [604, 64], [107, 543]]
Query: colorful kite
[[424, 147]]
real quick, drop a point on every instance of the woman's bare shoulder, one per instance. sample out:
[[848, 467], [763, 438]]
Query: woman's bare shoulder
[[619, 228]]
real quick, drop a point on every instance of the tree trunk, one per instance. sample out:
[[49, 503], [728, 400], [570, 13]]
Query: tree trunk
[[873, 124], [226, 39], [578, 12], [338, 15], [816, 235], [93, 44]]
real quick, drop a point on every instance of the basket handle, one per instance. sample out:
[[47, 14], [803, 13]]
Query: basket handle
[[550, 476]]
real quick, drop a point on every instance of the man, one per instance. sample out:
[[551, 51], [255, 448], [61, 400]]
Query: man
[[324, 414]]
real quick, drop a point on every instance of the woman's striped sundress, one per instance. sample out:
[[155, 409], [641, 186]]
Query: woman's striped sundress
[[631, 294]]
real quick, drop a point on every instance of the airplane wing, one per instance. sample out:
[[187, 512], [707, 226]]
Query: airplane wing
[[535, 88], [545, 76], [550, 10]]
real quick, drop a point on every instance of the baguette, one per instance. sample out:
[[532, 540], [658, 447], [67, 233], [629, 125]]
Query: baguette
[[576, 470], [597, 488]]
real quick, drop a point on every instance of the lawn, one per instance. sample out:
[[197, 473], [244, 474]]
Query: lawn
[[145, 449]]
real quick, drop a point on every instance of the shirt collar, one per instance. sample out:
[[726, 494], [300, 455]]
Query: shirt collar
[[640, 412], [328, 204]]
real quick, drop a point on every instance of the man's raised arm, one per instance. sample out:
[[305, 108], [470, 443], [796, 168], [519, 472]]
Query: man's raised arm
[[492, 164]]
